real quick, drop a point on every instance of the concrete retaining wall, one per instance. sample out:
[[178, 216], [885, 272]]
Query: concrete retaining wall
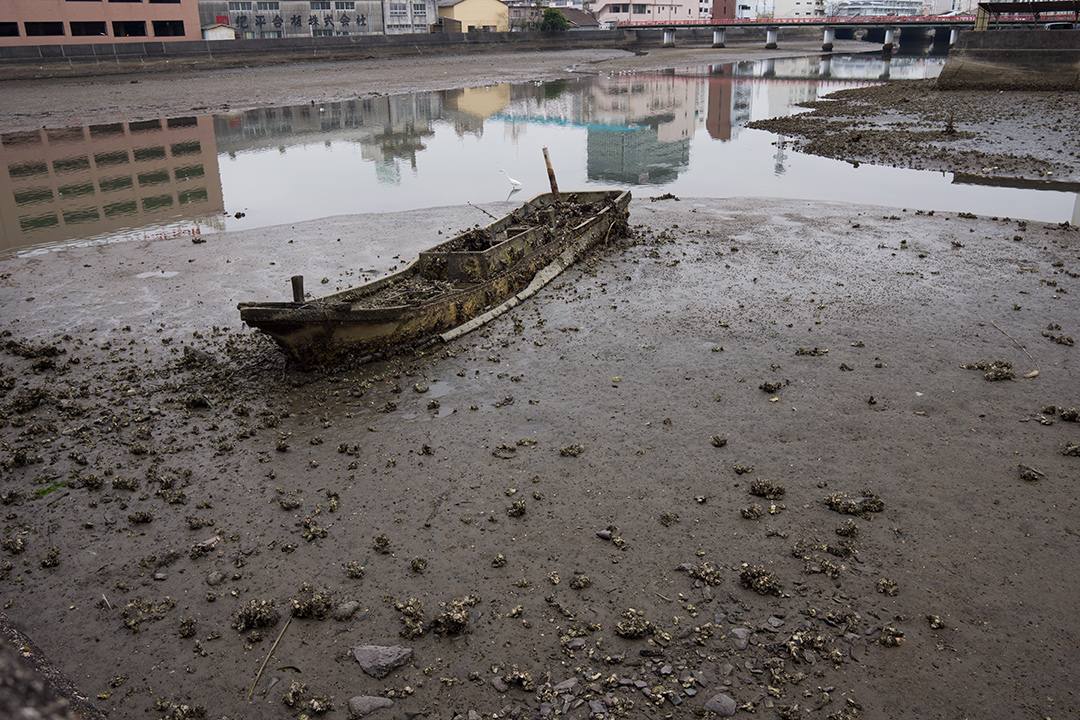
[[1013, 60], [100, 59]]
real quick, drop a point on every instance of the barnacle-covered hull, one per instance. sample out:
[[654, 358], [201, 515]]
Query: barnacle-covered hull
[[450, 288]]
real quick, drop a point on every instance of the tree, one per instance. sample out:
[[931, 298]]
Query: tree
[[554, 21]]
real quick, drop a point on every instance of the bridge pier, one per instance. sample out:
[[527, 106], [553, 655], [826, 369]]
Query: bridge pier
[[718, 36], [827, 41], [669, 37], [770, 37], [954, 35], [826, 67], [890, 41]]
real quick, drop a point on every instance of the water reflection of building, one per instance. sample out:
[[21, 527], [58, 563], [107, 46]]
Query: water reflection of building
[[642, 128], [388, 129], [96, 180]]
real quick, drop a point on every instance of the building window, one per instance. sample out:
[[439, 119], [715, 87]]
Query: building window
[[239, 6], [320, 4], [319, 32], [165, 2], [88, 28], [35, 29], [399, 10], [419, 9], [129, 28], [272, 34], [9, 29], [168, 28], [272, 6], [347, 5], [639, 9]]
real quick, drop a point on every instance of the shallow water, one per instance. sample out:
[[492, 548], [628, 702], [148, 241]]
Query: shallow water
[[680, 131]]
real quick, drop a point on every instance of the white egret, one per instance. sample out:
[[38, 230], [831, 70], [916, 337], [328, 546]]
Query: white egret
[[516, 185]]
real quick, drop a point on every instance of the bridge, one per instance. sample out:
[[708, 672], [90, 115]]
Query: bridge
[[888, 23]]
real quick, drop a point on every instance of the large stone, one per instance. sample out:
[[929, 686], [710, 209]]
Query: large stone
[[721, 704], [362, 705], [378, 660]]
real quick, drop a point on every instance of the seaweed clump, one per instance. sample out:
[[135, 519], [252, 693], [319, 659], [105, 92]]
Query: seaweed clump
[[455, 619], [868, 502]]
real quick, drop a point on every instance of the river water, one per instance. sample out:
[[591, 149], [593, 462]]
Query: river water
[[680, 131]]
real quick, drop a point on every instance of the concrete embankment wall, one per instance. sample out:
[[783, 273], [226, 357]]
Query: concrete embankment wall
[[102, 59], [1013, 60]]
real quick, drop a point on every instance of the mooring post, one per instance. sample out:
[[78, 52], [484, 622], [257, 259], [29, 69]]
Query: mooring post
[[551, 174], [669, 37], [718, 35], [770, 37], [827, 42], [298, 288], [890, 40]]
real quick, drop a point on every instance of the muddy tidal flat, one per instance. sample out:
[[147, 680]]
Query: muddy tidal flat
[[763, 458]]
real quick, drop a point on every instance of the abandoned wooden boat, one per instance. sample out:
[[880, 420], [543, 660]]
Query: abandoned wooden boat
[[449, 289]]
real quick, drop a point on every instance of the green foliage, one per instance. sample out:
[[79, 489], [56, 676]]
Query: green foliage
[[554, 21]]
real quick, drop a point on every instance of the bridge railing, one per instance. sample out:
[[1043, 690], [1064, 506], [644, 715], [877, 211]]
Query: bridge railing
[[816, 20]]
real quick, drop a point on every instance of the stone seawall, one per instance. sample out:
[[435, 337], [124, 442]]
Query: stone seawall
[[1013, 60]]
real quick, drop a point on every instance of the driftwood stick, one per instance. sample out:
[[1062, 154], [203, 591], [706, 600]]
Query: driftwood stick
[[272, 648], [483, 211], [1029, 375]]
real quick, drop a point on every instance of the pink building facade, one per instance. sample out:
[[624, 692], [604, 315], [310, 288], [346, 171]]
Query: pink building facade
[[80, 22]]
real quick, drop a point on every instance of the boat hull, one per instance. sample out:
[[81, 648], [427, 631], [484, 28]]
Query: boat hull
[[327, 330]]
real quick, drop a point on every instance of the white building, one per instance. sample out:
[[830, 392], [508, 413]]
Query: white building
[[649, 11], [799, 8]]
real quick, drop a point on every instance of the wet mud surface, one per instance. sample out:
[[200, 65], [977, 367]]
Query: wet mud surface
[[555, 515], [910, 124]]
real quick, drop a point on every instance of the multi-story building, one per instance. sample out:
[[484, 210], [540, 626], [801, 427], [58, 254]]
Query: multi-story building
[[799, 8], [319, 18], [648, 11], [68, 22]]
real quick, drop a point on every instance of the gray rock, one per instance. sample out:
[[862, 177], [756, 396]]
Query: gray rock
[[473, 715], [378, 660], [565, 686], [740, 637], [499, 684], [362, 705], [215, 578], [346, 610], [546, 709], [596, 707], [721, 704]]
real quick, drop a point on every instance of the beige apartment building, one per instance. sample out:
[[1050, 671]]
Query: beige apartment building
[[79, 22]]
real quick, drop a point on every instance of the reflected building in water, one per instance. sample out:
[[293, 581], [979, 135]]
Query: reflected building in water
[[389, 130], [100, 180]]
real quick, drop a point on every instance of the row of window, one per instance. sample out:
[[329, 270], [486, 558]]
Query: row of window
[[152, 2], [36, 195], [119, 209], [245, 5], [110, 158], [120, 28], [637, 9]]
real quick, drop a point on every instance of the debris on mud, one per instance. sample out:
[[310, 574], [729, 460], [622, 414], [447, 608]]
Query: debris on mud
[[1072, 449], [752, 512], [256, 614], [635, 626], [760, 580], [812, 352], [868, 502], [741, 469], [312, 602], [707, 572], [412, 617], [885, 586], [993, 370], [718, 441], [764, 488], [454, 620], [1029, 473], [571, 450], [381, 544], [138, 611]]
